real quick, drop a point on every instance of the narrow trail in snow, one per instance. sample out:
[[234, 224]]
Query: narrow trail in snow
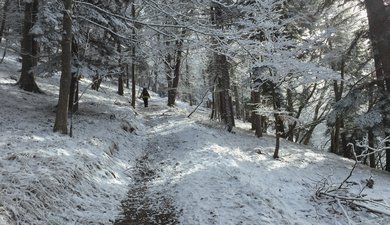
[[144, 206]]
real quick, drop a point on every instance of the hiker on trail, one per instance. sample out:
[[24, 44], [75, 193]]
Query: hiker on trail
[[145, 96]]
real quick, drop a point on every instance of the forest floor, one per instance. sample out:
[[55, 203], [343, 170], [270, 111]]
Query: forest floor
[[157, 166], [194, 172], [144, 205]]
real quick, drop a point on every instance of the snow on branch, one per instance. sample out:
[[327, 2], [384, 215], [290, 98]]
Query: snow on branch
[[368, 150]]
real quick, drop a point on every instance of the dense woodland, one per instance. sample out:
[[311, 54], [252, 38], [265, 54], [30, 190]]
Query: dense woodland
[[287, 66]]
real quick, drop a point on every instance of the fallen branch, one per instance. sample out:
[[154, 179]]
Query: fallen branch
[[350, 198], [199, 103], [380, 209], [344, 212], [373, 205]]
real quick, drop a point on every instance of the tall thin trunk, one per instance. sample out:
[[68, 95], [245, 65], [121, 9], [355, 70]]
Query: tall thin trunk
[[290, 109], [336, 134], [253, 112], [60, 124], [35, 43], [4, 19], [388, 157], [237, 101], [257, 117], [74, 94], [120, 85], [279, 129], [133, 92], [74, 84]]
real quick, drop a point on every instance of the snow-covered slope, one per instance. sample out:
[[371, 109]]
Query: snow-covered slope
[[188, 169]]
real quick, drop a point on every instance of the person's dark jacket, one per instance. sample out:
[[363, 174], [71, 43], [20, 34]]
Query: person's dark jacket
[[145, 94]]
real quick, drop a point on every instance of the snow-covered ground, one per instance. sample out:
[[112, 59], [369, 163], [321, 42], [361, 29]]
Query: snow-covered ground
[[188, 169]]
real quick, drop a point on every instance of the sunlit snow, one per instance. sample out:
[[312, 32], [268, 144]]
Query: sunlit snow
[[207, 175]]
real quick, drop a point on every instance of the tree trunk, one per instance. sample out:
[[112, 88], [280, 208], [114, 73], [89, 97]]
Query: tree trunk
[[35, 44], [336, 133], [62, 110], [4, 19], [215, 110], [277, 137], [133, 91], [27, 79], [74, 85], [172, 89], [290, 109], [316, 120], [221, 69], [379, 27], [371, 145], [74, 94], [279, 129], [253, 108], [237, 101], [223, 81], [257, 117], [388, 158], [120, 85]]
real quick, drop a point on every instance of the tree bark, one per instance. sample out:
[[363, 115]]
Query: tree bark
[[252, 112], [279, 129], [29, 51], [221, 70], [120, 85], [290, 109], [133, 91], [223, 81], [257, 117], [74, 94], [379, 27], [237, 101], [62, 110], [174, 82], [4, 19], [74, 85], [387, 157]]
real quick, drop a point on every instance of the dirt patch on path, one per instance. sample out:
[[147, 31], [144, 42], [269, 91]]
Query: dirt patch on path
[[145, 206]]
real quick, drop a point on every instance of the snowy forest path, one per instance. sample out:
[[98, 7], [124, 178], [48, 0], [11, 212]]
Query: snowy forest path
[[146, 204], [183, 152]]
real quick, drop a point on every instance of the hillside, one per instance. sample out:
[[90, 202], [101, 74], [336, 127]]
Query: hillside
[[169, 170]]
